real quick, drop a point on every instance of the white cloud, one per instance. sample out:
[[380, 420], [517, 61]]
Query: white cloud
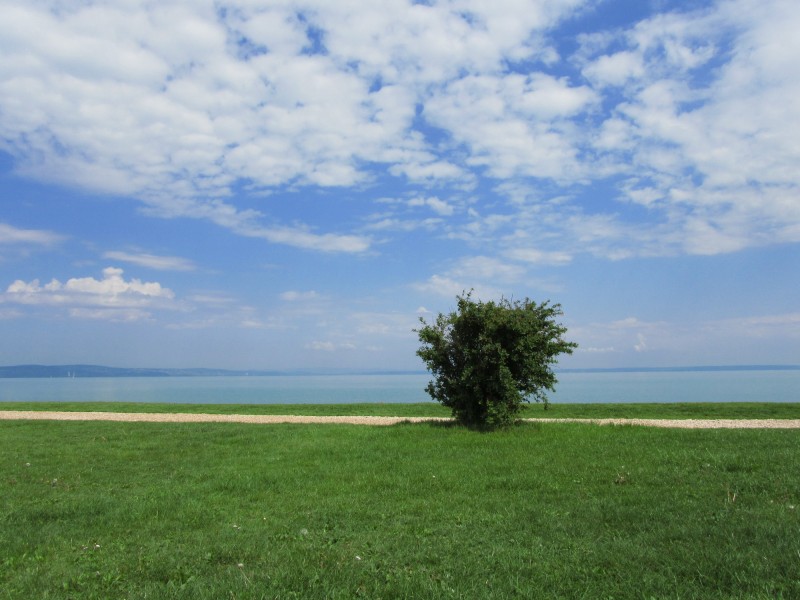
[[109, 314], [225, 314], [444, 286], [482, 268], [396, 216], [174, 102], [295, 296], [322, 346], [438, 206], [641, 343], [432, 172], [10, 235], [9, 313], [183, 104], [489, 277], [705, 123], [212, 299], [424, 44], [627, 323], [615, 69], [253, 324], [768, 338], [784, 325], [301, 238], [628, 333], [152, 261], [596, 350], [108, 100], [393, 224], [383, 324], [540, 257], [248, 224], [513, 125], [111, 298], [441, 286]]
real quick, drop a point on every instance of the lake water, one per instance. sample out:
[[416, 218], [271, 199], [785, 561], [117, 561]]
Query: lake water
[[691, 386]]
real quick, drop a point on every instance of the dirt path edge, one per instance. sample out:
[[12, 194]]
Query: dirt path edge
[[368, 420]]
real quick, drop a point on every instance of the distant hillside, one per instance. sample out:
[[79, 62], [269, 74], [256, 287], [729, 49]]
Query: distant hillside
[[46, 371], [36, 371]]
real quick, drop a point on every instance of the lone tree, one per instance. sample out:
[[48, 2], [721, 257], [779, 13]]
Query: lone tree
[[488, 358]]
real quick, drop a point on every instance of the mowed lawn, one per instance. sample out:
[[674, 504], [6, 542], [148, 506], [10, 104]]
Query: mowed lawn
[[148, 510]]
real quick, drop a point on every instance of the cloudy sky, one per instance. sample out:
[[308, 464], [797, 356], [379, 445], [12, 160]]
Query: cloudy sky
[[293, 183]]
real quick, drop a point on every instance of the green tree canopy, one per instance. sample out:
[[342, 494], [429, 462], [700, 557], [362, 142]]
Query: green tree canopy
[[487, 358]]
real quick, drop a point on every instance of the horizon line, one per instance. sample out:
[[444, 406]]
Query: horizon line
[[93, 370]]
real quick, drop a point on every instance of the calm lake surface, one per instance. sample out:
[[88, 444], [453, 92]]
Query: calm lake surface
[[692, 386]]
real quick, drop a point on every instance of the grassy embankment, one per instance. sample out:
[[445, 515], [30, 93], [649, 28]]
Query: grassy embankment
[[144, 510]]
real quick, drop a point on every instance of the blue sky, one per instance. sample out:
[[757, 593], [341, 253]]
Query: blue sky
[[292, 184]]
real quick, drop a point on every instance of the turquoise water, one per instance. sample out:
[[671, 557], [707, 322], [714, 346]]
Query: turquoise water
[[679, 386], [705, 386], [316, 389]]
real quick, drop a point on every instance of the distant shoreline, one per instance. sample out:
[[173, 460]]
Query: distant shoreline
[[84, 371]]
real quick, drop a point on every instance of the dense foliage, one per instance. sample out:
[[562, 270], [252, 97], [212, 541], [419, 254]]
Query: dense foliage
[[487, 358]]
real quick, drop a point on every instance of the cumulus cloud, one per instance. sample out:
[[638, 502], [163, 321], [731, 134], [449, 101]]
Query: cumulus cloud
[[684, 116], [514, 125], [615, 69], [704, 122], [438, 206], [111, 297]]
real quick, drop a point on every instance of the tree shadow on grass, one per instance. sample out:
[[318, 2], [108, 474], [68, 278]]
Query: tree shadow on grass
[[437, 423], [453, 424]]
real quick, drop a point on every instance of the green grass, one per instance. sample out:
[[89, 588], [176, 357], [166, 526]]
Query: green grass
[[144, 510], [677, 410], [699, 410]]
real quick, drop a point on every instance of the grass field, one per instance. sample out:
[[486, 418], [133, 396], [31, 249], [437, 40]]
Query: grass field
[[143, 510]]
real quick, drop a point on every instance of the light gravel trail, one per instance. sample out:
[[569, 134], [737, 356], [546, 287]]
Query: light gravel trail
[[367, 420]]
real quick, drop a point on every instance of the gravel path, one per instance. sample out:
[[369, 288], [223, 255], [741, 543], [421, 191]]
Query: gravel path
[[690, 423], [266, 419]]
